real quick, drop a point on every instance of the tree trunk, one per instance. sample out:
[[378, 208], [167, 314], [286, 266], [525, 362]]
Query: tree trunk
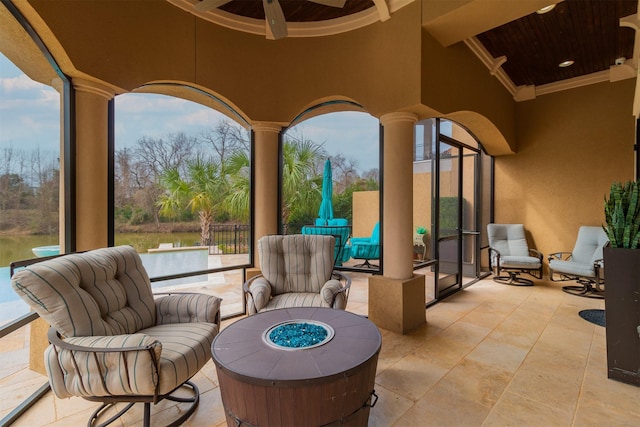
[[206, 218]]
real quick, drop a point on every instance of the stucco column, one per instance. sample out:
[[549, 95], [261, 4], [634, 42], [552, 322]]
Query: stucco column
[[397, 299], [266, 181], [91, 163], [398, 194]]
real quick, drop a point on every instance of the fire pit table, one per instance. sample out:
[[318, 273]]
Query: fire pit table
[[298, 367]]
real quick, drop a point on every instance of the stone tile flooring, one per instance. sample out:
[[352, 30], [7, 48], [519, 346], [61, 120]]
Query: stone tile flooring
[[491, 355]]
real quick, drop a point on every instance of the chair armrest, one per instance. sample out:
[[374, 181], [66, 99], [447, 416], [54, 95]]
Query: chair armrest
[[336, 291], [117, 365], [536, 253], [562, 256], [187, 308], [494, 254], [360, 240], [258, 293]]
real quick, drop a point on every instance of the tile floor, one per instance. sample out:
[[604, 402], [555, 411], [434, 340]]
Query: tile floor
[[491, 355]]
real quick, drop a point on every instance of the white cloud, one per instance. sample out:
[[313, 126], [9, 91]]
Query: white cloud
[[19, 83]]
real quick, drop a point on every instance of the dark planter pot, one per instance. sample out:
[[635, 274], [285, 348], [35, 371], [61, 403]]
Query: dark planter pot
[[622, 310]]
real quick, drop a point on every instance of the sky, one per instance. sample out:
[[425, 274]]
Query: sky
[[30, 119]]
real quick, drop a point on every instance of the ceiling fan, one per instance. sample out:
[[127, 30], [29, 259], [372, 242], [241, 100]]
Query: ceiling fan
[[272, 12]]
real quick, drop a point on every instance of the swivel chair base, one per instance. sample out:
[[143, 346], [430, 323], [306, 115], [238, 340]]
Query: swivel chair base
[[513, 279], [366, 264], [146, 422], [585, 289]]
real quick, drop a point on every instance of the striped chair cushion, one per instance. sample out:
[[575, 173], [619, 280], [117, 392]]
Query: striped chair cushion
[[296, 299], [182, 350], [80, 373], [188, 307], [296, 263], [100, 292], [186, 347]]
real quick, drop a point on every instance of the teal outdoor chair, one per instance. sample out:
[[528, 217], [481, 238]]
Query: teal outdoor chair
[[367, 248], [342, 250]]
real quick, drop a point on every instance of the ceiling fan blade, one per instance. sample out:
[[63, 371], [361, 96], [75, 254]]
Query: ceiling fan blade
[[275, 18], [207, 5], [332, 3]]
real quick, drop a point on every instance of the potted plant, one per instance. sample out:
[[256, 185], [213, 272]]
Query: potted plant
[[421, 242], [622, 282]]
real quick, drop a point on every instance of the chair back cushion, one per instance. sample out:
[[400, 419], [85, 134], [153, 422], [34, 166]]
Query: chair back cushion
[[375, 234], [100, 292], [508, 239], [296, 262], [589, 244]]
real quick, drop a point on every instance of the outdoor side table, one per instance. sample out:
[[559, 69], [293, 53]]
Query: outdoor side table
[[263, 384]]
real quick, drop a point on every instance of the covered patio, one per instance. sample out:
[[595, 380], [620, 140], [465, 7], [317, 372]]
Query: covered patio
[[485, 355], [491, 355]]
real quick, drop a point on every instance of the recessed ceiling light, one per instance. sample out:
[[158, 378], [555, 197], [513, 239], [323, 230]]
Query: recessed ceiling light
[[564, 64], [545, 9]]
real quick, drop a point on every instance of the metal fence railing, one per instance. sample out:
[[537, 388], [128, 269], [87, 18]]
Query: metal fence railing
[[229, 238]]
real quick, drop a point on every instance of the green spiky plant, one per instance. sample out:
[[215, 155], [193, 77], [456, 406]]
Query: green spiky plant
[[622, 215]]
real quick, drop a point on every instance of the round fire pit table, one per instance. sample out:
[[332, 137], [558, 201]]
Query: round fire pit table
[[298, 367]]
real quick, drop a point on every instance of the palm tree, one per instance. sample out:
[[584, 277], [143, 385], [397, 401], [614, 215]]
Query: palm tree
[[202, 190], [301, 183], [301, 186], [237, 200]]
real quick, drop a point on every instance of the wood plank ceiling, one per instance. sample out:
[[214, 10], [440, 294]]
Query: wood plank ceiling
[[587, 32]]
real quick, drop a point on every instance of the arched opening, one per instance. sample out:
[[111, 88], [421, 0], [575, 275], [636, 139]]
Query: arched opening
[[342, 147], [181, 193]]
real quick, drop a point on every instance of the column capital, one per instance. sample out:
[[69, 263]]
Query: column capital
[[398, 116], [94, 87], [266, 127]]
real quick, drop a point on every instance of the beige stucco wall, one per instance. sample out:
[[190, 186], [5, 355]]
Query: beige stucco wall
[[457, 85], [366, 209], [571, 146], [140, 41], [422, 200]]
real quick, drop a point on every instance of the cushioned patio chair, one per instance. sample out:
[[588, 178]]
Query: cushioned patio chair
[[584, 264], [510, 254], [297, 271], [367, 248], [342, 250], [111, 340]]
